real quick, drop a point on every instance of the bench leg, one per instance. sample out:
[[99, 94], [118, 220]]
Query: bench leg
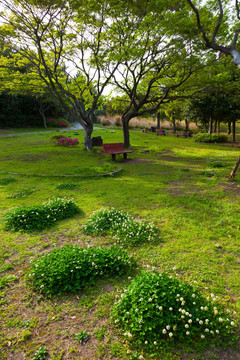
[[113, 157], [125, 155]]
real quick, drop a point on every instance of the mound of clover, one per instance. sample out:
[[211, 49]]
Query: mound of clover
[[38, 217], [156, 309], [72, 268], [126, 230]]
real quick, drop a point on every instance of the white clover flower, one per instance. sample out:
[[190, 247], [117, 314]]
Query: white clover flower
[[206, 321], [194, 303], [178, 295], [154, 343], [193, 295], [187, 333], [182, 317], [183, 303], [200, 322], [160, 308], [202, 308], [186, 326], [187, 313], [164, 331], [181, 299], [146, 342], [170, 309], [217, 331], [190, 321], [141, 357], [129, 335], [168, 327], [206, 308], [232, 323], [206, 330], [170, 334], [136, 310], [202, 336], [150, 300], [220, 320]]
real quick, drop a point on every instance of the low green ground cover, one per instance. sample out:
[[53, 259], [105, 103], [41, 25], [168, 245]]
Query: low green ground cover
[[165, 181]]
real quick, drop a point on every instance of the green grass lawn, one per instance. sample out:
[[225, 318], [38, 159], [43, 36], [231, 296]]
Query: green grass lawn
[[167, 180]]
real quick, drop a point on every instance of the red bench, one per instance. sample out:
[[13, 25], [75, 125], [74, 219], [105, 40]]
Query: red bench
[[114, 149]]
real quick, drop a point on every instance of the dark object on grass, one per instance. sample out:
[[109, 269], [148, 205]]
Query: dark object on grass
[[161, 132], [97, 141]]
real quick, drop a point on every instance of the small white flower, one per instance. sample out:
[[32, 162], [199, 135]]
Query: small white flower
[[202, 336], [217, 331], [170, 334], [164, 331], [170, 309], [187, 333], [168, 327], [154, 343], [150, 300], [220, 320], [206, 330], [200, 322], [146, 342], [232, 323], [186, 326]]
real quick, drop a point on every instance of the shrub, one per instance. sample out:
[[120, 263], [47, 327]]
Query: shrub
[[72, 268], [56, 138], [210, 138], [82, 336], [126, 230], [103, 221], [65, 141], [156, 309], [216, 164], [208, 172], [67, 186], [20, 194], [6, 181], [38, 217], [60, 122]]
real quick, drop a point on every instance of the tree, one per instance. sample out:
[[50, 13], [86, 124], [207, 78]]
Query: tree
[[156, 63], [65, 44], [218, 31]]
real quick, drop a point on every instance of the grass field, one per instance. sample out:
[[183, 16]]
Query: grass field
[[169, 181]]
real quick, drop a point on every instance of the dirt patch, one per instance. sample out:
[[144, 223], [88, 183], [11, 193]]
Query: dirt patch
[[231, 187]]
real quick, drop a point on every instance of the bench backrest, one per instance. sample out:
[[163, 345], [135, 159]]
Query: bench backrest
[[113, 146]]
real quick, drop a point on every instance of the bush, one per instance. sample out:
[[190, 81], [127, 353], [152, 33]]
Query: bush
[[65, 141], [20, 194], [38, 217], [126, 230], [60, 122], [156, 309], [67, 186], [216, 164], [104, 221], [72, 268], [210, 138], [6, 181]]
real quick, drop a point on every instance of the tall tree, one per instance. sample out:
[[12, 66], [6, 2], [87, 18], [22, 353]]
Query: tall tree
[[65, 45]]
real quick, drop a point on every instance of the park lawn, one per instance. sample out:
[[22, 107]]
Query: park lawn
[[169, 181]]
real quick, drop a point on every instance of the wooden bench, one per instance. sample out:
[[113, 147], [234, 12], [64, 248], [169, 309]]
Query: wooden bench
[[114, 149]]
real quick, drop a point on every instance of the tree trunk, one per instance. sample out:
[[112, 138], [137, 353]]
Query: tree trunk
[[42, 112], [210, 129], [174, 125], [126, 135], [218, 127], [233, 132], [186, 125], [87, 137], [215, 126], [229, 127], [232, 175], [158, 120]]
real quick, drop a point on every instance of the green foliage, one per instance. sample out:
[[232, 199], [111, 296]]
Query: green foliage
[[216, 164], [40, 354], [104, 221], [56, 138], [67, 186], [208, 172], [72, 268], [126, 230], [38, 217], [60, 122], [5, 280], [20, 194], [6, 181], [157, 309], [82, 336], [210, 138]]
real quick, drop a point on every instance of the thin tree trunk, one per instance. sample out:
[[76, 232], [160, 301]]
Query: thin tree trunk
[[126, 135], [229, 127], [210, 129], [215, 126], [186, 125], [234, 170], [158, 121], [233, 132], [174, 125], [87, 137], [218, 127]]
